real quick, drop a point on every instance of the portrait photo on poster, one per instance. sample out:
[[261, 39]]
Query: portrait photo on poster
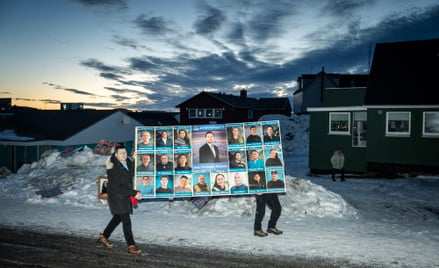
[[102, 188]]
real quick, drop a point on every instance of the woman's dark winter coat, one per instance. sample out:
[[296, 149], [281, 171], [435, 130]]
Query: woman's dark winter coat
[[120, 185]]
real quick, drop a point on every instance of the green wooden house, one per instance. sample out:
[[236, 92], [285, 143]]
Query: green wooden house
[[392, 125]]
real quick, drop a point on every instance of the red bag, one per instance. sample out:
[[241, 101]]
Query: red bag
[[134, 201]]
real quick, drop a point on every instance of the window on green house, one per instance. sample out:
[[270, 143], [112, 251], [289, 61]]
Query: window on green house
[[430, 124], [398, 123], [339, 123]]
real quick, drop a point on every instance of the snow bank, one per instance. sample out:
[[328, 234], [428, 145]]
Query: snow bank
[[77, 175]]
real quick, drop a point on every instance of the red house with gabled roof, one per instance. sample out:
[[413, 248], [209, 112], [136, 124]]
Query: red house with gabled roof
[[209, 107]]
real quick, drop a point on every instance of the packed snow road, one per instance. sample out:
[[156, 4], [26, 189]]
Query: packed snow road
[[25, 248]]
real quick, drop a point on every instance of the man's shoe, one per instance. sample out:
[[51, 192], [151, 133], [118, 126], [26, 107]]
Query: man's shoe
[[260, 233], [274, 231], [104, 241], [133, 249]]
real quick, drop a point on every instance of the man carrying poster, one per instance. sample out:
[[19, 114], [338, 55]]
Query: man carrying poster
[[272, 201]]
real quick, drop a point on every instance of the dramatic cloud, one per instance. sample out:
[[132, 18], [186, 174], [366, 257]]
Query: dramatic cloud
[[103, 3], [96, 64], [76, 91], [125, 90], [210, 21], [267, 22], [188, 74], [131, 43], [343, 7], [152, 57], [46, 101], [152, 26], [49, 101]]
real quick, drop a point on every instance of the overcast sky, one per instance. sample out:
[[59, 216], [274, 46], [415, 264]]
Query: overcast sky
[[150, 55]]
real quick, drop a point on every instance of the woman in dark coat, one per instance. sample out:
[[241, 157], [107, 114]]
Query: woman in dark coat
[[120, 173]]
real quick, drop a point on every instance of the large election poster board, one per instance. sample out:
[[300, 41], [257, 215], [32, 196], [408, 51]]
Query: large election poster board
[[209, 160]]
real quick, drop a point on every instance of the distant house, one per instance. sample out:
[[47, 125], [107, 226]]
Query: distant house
[[32, 132], [311, 88], [392, 125], [208, 107], [5, 104], [71, 106]]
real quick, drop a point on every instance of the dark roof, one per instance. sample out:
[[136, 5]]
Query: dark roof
[[247, 102], [353, 80], [53, 124], [273, 104], [404, 73], [235, 101], [338, 80]]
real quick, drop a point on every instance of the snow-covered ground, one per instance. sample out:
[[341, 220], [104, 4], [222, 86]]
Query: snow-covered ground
[[375, 222]]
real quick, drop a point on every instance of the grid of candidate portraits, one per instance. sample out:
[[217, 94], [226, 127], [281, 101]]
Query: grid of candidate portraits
[[209, 160]]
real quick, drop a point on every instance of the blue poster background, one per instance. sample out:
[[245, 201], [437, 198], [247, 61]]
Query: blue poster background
[[209, 160]]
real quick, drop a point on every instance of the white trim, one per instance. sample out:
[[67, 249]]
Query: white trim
[[402, 106], [348, 132], [365, 107], [343, 88], [398, 134], [428, 134], [336, 109]]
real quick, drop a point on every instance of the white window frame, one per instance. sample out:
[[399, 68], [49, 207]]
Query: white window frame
[[208, 113], [348, 122], [194, 111], [201, 113], [205, 113], [398, 116], [434, 125], [217, 113]]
